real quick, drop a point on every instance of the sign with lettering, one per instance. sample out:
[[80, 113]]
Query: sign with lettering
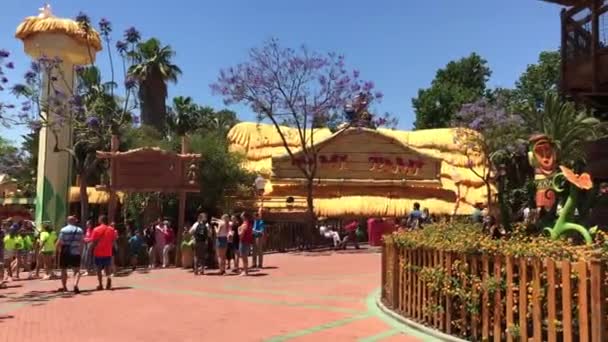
[[359, 155]]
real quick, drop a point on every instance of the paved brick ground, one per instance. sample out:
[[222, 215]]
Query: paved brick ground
[[300, 297]]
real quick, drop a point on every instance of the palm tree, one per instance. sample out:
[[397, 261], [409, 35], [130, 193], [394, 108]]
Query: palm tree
[[567, 126], [153, 68], [184, 116]]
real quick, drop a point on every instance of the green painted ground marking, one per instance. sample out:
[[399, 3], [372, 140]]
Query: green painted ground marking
[[245, 299], [373, 309], [381, 336], [312, 330], [293, 294]]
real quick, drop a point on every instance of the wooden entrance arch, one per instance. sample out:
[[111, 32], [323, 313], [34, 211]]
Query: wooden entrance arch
[[151, 169]]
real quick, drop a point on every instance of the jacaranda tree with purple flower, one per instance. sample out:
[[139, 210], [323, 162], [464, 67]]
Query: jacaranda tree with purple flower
[[298, 88], [91, 108], [490, 137]]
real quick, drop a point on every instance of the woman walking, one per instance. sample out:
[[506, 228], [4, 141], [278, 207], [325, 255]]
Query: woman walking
[[46, 245], [221, 232], [246, 240], [233, 235]]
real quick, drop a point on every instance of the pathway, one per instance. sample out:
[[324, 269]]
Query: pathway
[[299, 297]]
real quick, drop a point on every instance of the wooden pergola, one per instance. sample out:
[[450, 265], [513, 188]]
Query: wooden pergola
[[151, 169]]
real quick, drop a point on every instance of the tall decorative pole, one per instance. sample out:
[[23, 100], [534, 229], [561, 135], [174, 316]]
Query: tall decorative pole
[[64, 40]]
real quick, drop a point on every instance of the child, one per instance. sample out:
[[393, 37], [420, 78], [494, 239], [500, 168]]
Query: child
[[136, 243], [47, 243]]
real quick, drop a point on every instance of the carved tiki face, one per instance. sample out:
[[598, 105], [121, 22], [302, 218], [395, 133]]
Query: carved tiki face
[[543, 154]]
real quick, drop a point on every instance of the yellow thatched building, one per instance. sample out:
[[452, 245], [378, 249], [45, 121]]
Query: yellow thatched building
[[363, 172]]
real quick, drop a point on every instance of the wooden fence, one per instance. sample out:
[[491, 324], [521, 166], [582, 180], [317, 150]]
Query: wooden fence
[[499, 298], [288, 236]]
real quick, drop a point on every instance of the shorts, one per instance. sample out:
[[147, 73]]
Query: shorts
[[69, 261], [102, 262], [221, 242], [244, 249]]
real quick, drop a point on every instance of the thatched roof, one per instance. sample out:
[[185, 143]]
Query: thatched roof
[[41, 24], [259, 143]]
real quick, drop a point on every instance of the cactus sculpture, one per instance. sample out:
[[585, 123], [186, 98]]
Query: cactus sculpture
[[577, 183]]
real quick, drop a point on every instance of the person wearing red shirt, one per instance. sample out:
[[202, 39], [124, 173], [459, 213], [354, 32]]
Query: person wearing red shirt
[[103, 241], [169, 235], [246, 240]]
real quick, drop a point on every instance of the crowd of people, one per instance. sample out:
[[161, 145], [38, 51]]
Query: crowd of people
[[222, 242]]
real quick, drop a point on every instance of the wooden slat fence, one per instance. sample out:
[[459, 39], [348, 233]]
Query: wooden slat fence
[[496, 297]]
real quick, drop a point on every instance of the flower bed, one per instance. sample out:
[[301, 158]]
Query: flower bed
[[457, 280]]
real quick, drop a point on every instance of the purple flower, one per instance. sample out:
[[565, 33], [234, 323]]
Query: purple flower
[[356, 73], [30, 77], [4, 53], [35, 66], [121, 46], [132, 35], [75, 101], [26, 108], [10, 65], [92, 122], [378, 95], [4, 80], [135, 119], [35, 125], [79, 69], [10, 106], [368, 86], [130, 82], [105, 27], [83, 19]]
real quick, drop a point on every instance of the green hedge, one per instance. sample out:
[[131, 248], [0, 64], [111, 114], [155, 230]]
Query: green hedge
[[471, 239]]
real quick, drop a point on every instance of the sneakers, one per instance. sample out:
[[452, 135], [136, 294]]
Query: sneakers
[[76, 290], [109, 284]]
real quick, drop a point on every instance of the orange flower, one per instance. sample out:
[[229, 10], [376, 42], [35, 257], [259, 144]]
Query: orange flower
[[582, 181]]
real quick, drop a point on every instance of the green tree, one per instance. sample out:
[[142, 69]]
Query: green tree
[[221, 175], [183, 116], [153, 68], [538, 79], [459, 82]]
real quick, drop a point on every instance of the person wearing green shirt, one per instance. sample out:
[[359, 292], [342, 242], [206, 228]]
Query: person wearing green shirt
[[47, 243], [25, 252], [12, 244]]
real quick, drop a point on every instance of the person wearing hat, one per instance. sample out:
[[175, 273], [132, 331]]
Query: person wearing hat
[[70, 244]]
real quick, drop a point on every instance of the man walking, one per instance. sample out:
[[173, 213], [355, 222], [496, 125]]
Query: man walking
[[200, 232], [69, 246], [103, 242]]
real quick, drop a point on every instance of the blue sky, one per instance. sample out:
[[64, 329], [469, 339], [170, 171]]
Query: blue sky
[[398, 44]]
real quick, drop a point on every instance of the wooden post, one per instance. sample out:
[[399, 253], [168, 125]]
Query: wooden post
[[395, 278], [181, 215], [509, 294], [551, 302], [566, 301], [497, 300], [383, 271], [485, 312], [475, 316], [583, 301], [112, 201], [523, 299], [448, 299], [536, 305], [598, 302]]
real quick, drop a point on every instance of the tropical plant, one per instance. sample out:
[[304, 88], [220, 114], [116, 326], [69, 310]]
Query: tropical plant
[[183, 116], [153, 68], [568, 127]]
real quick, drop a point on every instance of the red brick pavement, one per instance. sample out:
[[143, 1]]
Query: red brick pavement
[[300, 297]]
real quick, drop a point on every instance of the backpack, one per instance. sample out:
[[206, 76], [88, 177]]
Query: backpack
[[201, 233]]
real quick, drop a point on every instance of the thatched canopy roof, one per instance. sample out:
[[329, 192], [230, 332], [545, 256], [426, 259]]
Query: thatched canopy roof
[[260, 143], [51, 24]]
